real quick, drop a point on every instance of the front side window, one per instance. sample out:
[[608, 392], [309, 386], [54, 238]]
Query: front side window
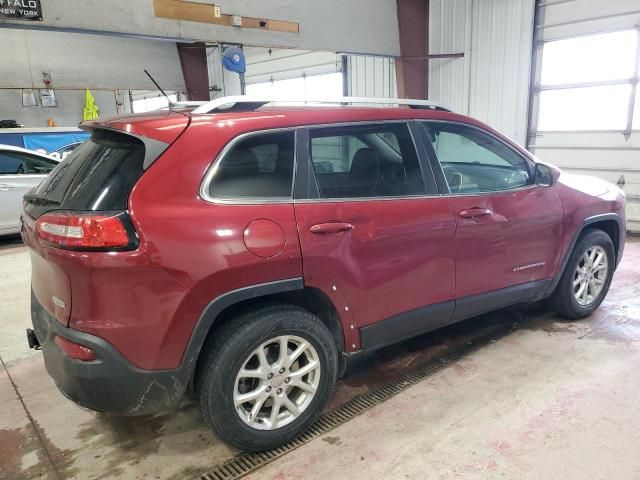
[[259, 166], [17, 163], [365, 161], [476, 162]]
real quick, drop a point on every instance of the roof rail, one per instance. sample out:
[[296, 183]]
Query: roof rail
[[245, 103]]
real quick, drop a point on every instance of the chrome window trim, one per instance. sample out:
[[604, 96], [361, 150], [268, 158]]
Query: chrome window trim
[[204, 185], [211, 171], [527, 160], [363, 199], [208, 177], [412, 197], [493, 192]]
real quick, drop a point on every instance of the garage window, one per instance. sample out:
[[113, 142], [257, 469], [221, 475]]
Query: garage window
[[587, 83]]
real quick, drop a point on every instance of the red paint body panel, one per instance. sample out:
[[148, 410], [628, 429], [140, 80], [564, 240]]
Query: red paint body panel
[[161, 125], [524, 228], [584, 197], [49, 276], [399, 255]]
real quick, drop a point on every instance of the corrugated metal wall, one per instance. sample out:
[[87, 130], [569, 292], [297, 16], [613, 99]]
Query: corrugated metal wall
[[491, 82], [371, 77], [450, 32], [606, 154]]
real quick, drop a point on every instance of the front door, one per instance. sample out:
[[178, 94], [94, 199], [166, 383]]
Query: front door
[[376, 239], [508, 230]]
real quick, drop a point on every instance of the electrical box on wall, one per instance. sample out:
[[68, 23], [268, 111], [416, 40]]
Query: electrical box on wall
[[236, 20]]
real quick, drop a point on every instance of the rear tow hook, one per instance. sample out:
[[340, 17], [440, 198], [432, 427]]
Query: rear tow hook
[[33, 340]]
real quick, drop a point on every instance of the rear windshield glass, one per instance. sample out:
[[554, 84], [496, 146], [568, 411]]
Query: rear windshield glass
[[98, 175]]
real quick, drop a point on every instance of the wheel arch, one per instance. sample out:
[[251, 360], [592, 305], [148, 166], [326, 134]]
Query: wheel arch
[[226, 307], [610, 223]]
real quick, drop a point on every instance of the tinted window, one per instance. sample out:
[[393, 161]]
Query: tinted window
[[474, 161], [365, 161], [98, 175], [23, 163], [258, 166]]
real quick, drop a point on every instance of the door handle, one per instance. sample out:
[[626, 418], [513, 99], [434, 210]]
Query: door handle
[[475, 212], [5, 186], [330, 227]]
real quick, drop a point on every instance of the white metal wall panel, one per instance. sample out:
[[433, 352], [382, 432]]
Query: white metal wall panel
[[491, 82], [608, 155], [371, 77], [87, 61], [450, 32], [268, 64]]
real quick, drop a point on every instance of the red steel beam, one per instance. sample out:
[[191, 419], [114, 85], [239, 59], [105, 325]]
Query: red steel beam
[[193, 60], [413, 28], [435, 55]]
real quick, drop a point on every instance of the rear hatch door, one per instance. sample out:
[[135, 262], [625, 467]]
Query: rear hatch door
[[96, 177]]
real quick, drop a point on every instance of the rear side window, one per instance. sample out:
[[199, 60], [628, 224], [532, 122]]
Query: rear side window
[[259, 166], [98, 175], [18, 163], [365, 161]]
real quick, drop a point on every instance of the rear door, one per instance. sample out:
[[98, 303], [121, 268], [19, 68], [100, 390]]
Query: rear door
[[19, 173], [374, 234], [508, 229]]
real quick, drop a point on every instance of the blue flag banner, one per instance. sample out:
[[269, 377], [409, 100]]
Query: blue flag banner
[[56, 144]]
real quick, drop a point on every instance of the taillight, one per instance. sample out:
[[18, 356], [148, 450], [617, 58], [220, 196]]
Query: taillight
[[75, 350], [82, 230]]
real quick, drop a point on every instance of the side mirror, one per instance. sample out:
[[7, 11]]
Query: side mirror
[[543, 175]]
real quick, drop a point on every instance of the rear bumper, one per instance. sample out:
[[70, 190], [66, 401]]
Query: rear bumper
[[109, 383]]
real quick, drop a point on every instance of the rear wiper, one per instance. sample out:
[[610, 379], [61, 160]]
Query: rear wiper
[[37, 200]]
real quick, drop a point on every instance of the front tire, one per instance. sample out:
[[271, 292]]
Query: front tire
[[267, 376], [586, 278]]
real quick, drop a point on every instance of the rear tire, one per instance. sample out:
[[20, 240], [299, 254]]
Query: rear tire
[[246, 361], [587, 276]]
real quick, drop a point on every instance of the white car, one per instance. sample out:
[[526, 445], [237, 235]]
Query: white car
[[20, 171]]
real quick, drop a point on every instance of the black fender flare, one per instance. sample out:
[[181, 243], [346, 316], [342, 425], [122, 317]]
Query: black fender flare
[[585, 224], [220, 303]]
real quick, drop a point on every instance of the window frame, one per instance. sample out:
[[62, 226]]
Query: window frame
[[436, 166], [211, 171], [313, 190], [29, 156], [537, 87]]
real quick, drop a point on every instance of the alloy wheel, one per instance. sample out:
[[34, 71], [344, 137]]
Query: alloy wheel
[[277, 382], [590, 275]]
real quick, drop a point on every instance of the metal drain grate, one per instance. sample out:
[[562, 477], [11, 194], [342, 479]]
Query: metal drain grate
[[248, 462]]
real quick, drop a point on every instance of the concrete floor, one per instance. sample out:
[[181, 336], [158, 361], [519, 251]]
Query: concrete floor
[[550, 400]]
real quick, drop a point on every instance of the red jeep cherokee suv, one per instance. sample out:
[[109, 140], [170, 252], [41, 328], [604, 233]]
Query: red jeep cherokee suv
[[248, 251]]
